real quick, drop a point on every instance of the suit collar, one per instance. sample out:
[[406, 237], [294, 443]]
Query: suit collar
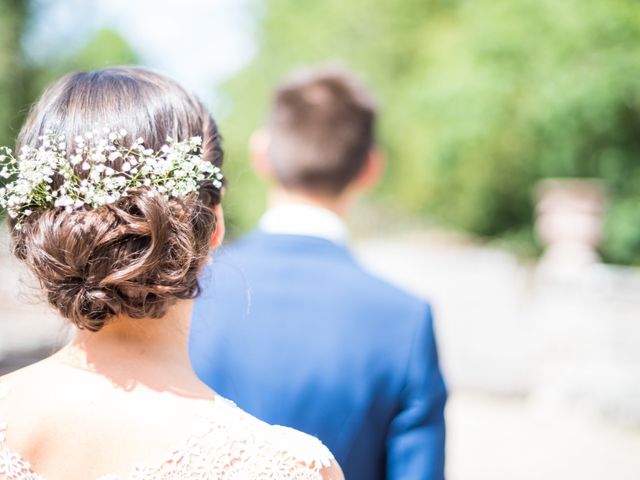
[[305, 220], [293, 245]]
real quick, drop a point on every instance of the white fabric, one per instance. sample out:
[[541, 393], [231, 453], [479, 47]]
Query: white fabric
[[233, 446], [303, 219]]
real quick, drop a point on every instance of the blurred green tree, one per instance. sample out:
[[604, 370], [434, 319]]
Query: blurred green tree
[[13, 76], [480, 99]]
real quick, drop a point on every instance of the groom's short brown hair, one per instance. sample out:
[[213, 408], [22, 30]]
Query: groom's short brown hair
[[322, 124]]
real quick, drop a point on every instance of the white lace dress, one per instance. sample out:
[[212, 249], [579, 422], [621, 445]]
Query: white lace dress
[[233, 445]]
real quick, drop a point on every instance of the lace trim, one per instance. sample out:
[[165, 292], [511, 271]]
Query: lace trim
[[235, 446]]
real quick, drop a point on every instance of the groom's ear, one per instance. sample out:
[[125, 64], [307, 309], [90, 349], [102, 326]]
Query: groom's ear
[[372, 170], [259, 153], [218, 234]]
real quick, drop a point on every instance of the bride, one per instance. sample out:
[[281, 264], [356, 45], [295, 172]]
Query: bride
[[114, 202]]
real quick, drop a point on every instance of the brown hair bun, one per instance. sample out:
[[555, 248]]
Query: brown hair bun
[[137, 256]]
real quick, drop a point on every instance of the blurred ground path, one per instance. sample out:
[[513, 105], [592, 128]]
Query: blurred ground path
[[500, 438]]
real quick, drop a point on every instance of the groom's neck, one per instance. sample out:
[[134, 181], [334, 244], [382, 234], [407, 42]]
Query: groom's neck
[[338, 204]]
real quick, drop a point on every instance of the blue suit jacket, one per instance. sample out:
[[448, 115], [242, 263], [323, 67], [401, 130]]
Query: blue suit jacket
[[296, 333]]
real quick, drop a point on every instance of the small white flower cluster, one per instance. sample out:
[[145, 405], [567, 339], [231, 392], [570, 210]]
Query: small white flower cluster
[[99, 171]]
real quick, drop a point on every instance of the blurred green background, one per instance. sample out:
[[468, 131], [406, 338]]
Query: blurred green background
[[480, 99]]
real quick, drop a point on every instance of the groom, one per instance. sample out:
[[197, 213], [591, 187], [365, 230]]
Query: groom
[[292, 328]]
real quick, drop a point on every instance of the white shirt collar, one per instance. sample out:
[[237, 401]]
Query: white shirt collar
[[307, 220]]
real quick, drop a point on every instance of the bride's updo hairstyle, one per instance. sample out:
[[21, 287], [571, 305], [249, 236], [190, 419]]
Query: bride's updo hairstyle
[[139, 255]]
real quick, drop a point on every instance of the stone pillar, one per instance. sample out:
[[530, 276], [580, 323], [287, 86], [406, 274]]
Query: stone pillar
[[569, 218]]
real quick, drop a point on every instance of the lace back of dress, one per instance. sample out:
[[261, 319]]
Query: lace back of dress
[[232, 446], [238, 446]]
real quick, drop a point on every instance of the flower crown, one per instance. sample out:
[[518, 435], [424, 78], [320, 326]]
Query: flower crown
[[89, 176]]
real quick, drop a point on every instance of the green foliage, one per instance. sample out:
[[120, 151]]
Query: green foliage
[[12, 72], [480, 99]]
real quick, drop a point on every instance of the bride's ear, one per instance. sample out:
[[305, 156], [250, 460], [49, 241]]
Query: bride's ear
[[218, 234]]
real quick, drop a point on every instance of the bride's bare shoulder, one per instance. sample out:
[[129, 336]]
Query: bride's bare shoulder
[[32, 379], [25, 380], [26, 387], [22, 408]]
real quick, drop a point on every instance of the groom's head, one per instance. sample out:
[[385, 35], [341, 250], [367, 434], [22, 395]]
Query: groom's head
[[320, 135]]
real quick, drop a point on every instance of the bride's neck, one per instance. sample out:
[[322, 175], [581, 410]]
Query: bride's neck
[[130, 352]]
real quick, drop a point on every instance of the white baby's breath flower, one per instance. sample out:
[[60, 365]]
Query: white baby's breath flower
[[173, 171], [63, 202]]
